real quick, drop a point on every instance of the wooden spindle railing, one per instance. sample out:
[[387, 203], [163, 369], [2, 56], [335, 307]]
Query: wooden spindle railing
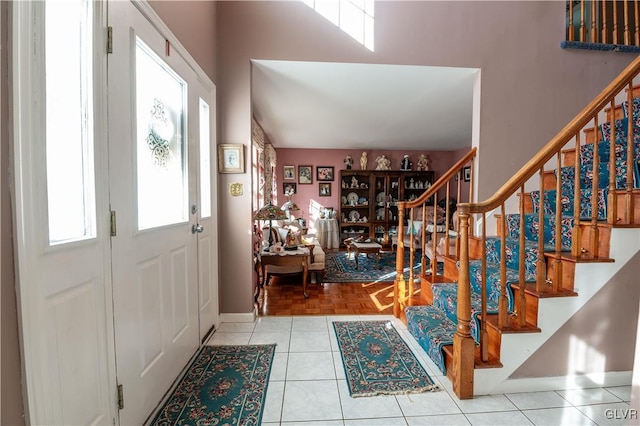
[[569, 137], [405, 289], [599, 21]]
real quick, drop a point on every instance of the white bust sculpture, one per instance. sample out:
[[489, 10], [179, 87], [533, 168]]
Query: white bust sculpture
[[423, 162], [363, 161], [383, 163]]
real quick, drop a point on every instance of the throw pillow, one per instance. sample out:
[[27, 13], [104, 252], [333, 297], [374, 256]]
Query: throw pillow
[[417, 226]]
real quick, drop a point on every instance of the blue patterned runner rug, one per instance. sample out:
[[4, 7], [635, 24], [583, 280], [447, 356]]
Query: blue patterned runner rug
[[377, 361], [342, 269], [225, 385]]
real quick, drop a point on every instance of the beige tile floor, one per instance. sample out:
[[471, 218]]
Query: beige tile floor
[[307, 386]]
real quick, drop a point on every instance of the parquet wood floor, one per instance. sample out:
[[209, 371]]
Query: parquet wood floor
[[283, 296]]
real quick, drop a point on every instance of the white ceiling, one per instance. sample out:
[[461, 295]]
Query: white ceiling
[[362, 106]]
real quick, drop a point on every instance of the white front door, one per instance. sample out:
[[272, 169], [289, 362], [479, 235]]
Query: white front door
[[207, 222], [61, 208], [153, 163]]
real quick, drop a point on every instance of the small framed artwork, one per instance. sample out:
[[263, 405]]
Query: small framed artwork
[[466, 174], [305, 175], [324, 190], [288, 188], [231, 158], [324, 173], [289, 173]]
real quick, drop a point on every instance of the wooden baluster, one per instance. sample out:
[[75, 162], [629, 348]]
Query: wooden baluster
[[447, 219], [434, 234], [399, 284], [522, 309], [484, 342], [458, 194], [463, 344], [434, 247], [558, 228], [583, 29], [627, 34], [595, 184], [541, 267], [570, 36], [503, 320], [629, 204], [612, 208], [594, 26], [605, 35], [423, 242], [411, 253], [576, 232], [636, 22], [615, 22]]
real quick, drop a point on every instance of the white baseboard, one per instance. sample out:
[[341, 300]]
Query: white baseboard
[[247, 317], [582, 381]]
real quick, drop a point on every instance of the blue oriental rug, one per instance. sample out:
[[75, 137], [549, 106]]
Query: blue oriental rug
[[342, 269], [225, 385], [377, 361]]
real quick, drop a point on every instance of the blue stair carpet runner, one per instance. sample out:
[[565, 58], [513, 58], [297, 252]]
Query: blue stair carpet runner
[[434, 325]]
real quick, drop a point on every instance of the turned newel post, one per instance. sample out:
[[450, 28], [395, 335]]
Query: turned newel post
[[399, 285], [463, 344]]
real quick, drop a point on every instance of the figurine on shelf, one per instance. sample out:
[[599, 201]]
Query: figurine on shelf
[[405, 164], [363, 160], [383, 163], [348, 162], [354, 182], [423, 162]]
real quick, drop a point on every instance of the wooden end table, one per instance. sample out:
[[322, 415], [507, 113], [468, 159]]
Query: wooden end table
[[286, 263], [366, 248]]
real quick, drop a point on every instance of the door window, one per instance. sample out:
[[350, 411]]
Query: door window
[[162, 185], [69, 121]]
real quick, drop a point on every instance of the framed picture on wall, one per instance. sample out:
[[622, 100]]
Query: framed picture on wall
[[466, 174], [305, 175], [231, 158], [324, 173], [288, 188], [324, 189], [289, 172]]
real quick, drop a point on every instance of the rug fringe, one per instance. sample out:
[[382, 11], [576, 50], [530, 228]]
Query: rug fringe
[[431, 388]]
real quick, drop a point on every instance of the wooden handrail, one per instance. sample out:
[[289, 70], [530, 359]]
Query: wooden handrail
[[555, 144]]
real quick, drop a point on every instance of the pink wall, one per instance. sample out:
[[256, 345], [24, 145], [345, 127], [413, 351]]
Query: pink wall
[[306, 195], [529, 89]]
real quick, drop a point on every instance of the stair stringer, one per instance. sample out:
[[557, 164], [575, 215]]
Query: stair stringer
[[553, 312]]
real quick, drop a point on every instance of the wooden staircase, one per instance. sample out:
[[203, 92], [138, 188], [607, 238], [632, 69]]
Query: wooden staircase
[[586, 237]]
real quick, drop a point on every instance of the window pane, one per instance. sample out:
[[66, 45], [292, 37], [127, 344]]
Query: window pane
[[69, 125], [205, 160], [352, 21], [161, 146]]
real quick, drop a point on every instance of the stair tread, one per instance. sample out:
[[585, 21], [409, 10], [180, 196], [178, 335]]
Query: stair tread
[[585, 258], [530, 288], [513, 325]]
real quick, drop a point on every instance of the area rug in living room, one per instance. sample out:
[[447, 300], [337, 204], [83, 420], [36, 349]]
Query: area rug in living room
[[377, 361], [224, 385], [340, 268]]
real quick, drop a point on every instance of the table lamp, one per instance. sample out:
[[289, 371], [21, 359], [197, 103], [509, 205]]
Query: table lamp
[[270, 212]]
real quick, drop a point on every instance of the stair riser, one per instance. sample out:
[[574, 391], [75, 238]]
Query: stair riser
[[565, 270], [622, 216], [531, 305], [601, 235]]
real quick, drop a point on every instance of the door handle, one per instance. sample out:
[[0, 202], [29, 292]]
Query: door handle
[[197, 229]]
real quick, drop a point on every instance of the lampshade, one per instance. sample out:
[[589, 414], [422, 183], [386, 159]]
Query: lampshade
[[270, 212]]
